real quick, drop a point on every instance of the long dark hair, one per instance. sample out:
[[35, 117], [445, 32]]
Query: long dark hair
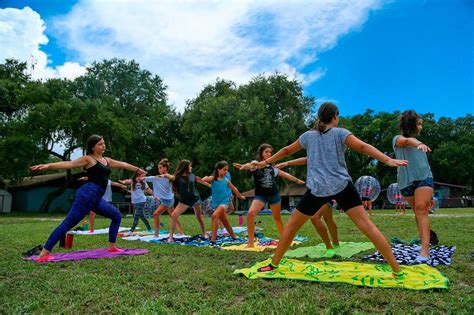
[[91, 142], [326, 112], [182, 170], [260, 150], [407, 123], [134, 181], [219, 165]]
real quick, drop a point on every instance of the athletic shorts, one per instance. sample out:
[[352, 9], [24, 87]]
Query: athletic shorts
[[272, 199], [409, 191], [347, 199], [167, 202], [226, 207]]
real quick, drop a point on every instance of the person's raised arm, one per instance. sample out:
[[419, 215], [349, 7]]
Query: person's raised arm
[[124, 165], [244, 167], [288, 150], [77, 163], [290, 177], [208, 179], [168, 176], [235, 190], [360, 146], [300, 161], [411, 142], [202, 182], [122, 186]]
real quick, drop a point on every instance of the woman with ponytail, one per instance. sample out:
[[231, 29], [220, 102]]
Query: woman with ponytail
[[328, 178]]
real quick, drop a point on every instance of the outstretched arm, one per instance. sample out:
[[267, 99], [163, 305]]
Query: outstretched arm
[[360, 146], [244, 167], [412, 142], [300, 161], [288, 150], [290, 177], [122, 186], [77, 163], [124, 165], [202, 182], [208, 179], [168, 176], [235, 190]]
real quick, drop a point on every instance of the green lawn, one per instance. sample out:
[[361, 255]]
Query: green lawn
[[180, 279]]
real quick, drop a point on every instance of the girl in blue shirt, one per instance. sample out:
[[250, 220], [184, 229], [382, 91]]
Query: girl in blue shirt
[[221, 188]]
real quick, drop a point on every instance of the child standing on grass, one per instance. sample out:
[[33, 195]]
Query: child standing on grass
[[184, 183], [416, 180], [266, 190], [329, 179], [89, 195], [221, 188], [138, 187], [163, 191], [325, 212]]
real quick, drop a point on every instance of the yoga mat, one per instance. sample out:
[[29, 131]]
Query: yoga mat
[[421, 277], [142, 233], [345, 250], [150, 238], [200, 241], [93, 254], [259, 247], [97, 232], [406, 255]]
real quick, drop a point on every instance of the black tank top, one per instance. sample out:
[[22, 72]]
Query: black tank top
[[99, 174]]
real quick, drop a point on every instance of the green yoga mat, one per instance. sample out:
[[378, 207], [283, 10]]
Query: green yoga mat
[[419, 277], [345, 250]]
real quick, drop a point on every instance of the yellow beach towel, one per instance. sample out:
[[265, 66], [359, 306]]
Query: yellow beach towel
[[419, 277]]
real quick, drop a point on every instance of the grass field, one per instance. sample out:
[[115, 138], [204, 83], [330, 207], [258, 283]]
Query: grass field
[[181, 279]]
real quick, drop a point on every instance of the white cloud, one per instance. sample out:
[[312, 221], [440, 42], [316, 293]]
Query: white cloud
[[191, 43], [21, 37]]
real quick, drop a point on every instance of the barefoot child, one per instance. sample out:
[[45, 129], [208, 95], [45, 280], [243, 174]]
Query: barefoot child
[[220, 187], [266, 190], [184, 183]]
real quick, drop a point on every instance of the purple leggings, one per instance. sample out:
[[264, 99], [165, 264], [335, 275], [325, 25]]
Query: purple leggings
[[88, 197]]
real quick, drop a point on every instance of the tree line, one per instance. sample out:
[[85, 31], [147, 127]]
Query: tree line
[[128, 105]]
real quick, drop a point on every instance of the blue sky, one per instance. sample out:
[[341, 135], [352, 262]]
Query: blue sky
[[382, 55]]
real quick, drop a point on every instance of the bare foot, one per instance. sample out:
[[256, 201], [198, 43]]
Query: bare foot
[[115, 250], [250, 245], [45, 258]]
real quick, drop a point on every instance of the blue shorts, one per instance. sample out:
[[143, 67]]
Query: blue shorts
[[409, 191], [273, 199], [167, 202]]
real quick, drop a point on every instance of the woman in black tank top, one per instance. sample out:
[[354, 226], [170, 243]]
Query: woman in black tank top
[[88, 196]]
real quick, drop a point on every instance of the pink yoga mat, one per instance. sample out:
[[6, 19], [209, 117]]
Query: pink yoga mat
[[93, 254]]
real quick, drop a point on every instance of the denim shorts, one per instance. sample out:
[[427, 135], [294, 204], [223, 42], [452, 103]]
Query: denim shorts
[[409, 191], [167, 202], [273, 199]]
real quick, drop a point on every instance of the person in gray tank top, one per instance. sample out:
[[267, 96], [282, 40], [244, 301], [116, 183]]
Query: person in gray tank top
[[416, 180], [327, 179]]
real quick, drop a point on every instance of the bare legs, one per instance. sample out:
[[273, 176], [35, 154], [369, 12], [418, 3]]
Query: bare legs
[[420, 203], [361, 220], [219, 215]]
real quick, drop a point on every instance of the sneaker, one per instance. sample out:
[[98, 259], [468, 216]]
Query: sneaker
[[399, 275], [115, 250], [329, 253], [151, 231], [129, 233], [267, 268], [44, 258]]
